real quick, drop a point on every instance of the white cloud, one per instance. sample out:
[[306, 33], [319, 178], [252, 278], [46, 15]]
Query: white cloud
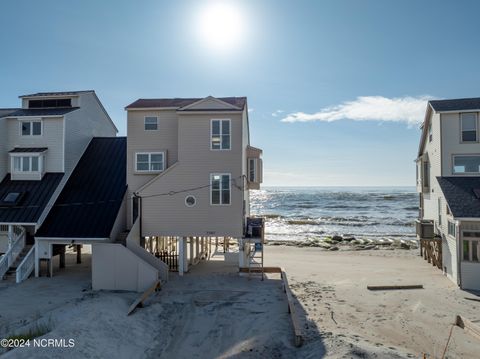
[[277, 113], [251, 109], [410, 110]]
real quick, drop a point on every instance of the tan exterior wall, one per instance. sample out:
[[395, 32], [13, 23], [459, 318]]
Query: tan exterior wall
[[451, 143]]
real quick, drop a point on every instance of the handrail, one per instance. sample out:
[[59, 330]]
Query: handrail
[[11, 255], [26, 266]]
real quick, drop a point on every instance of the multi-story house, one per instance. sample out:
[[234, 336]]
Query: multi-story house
[[40, 146], [448, 183], [190, 167]]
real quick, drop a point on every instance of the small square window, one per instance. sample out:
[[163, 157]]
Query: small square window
[[151, 123]]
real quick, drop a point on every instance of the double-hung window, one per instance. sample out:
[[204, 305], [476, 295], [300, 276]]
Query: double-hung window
[[452, 231], [252, 170], [220, 188], [471, 246], [26, 164], [151, 123], [31, 128], [220, 135], [469, 127], [150, 161]]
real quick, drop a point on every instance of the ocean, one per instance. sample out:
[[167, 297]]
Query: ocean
[[300, 213]]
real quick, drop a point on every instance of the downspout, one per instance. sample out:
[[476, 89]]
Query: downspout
[[459, 257]]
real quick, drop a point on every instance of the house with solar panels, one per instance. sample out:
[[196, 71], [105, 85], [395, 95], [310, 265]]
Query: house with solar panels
[[58, 153], [448, 184]]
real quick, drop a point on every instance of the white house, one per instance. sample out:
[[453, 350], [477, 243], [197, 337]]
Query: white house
[[448, 183]]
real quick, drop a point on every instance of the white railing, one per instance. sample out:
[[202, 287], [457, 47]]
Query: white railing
[[26, 267], [11, 255], [3, 228]]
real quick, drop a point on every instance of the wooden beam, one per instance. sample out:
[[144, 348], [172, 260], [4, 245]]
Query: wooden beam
[[297, 328], [394, 287], [468, 326], [139, 301], [259, 270]]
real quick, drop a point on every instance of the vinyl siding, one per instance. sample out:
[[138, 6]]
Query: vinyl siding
[[168, 215], [52, 137], [3, 148], [451, 142], [245, 143]]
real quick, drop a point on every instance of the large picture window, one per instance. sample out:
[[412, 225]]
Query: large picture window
[[150, 162], [220, 135], [220, 188], [469, 127], [466, 164], [26, 164]]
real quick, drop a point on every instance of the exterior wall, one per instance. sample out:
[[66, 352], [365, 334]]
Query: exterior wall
[[3, 243], [3, 149], [470, 275], [52, 137], [121, 222], [168, 215], [81, 126], [114, 267], [245, 143], [451, 143], [139, 140]]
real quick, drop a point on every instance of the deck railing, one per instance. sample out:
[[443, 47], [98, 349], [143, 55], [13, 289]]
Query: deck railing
[[26, 267], [11, 255], [431, 250]]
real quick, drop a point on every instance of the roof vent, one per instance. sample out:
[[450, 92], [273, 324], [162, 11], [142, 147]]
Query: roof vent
[[477, 192]]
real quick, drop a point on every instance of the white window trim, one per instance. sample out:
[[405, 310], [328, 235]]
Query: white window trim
[[454, 225], [149, 161], [470, 251], [221, 126], [29, 156], [255, 166], [229, 189], [463, 155], [476, 127], [20, 122], [145, 123]]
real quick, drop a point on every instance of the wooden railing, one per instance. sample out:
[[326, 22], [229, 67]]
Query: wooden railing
[[431, 250], [11, 255], [26, 267]]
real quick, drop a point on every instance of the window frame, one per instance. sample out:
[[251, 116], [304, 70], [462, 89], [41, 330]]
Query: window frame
[[136, 170], [453, 233], [221, 134], [22, 158], [463, 173], [470, 247], [430, 132], [461, 127], [212, 175], [145, 123], [255, 169], [31, 121]]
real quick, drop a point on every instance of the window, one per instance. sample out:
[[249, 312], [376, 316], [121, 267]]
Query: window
[[469, 127], [471, 246], [430, 134], [426, 174], [150, 162], [190, 201], [61, 102], [26, 164], [220, 189], [220, 135], [151, 123], [451, 229], [466, 164], [252, 170], [31, 128]]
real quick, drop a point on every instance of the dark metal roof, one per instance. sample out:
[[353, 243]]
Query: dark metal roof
[[182, 102], [37, 195], [28, 150], [41, 111], [65, 93], [460, 104], [90, 201], [6, 111], [460, 195]]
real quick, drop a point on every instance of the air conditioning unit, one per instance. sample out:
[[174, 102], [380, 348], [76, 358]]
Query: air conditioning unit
[[424, 228]]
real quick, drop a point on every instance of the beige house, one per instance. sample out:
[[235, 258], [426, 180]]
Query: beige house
[[448, 183], [190, 168]]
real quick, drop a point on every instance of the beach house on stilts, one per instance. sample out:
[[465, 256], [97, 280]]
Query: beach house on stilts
[[190, 167], [448, 183]]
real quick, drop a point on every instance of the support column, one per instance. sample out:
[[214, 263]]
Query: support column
[[191, 251], [37, 261], [10, 236], [62, 259], [181, 255], [197, 248], [202, 246], [79, 253]]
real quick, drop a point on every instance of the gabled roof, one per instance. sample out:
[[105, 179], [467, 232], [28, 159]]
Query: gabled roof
[[90, 201], [49, 94], [29, 149], [459, 104], [25, 112], [36, 196], [178, 103], [460, 195]]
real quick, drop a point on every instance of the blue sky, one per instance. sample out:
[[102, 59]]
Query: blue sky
[[350, 77]]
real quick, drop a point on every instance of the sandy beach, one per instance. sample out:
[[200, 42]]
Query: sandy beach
[[212, 312]]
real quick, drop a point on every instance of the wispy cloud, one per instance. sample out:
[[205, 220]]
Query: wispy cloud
[[410, 110], [277, 113]]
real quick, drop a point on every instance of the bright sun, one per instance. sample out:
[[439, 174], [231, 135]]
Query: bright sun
[[221, 26]]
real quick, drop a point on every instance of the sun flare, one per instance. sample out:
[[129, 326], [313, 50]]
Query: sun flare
[[221, 26]]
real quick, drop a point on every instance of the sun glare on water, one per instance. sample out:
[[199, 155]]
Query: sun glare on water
[[221, 26]]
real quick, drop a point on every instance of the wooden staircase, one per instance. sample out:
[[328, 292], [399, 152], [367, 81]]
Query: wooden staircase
[[11, 273]]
